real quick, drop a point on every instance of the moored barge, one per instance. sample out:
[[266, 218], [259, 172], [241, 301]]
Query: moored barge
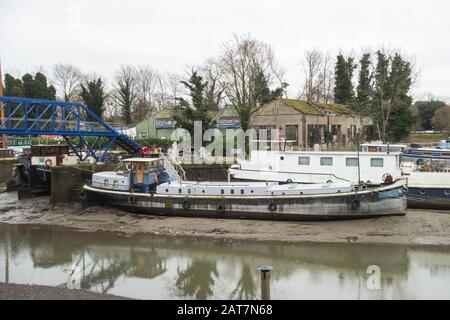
[[152, 186]]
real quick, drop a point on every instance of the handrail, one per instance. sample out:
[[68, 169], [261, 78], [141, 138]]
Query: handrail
[[175, 166]]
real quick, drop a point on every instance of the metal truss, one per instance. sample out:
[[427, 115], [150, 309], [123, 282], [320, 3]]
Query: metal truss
[[71, 120]]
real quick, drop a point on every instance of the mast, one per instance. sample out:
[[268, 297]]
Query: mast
[[4, 139]]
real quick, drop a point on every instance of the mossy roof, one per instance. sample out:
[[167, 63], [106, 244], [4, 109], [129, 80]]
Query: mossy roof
[[315, 108], [227, 111]]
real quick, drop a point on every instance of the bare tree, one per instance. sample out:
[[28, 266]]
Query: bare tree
[[168, 87], [146, 95], [124, 93], [313, 65], [67, 79], [244, 63], [215, 90]]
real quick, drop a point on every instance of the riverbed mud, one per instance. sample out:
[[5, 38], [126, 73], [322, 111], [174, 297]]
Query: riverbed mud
[[418, 227]]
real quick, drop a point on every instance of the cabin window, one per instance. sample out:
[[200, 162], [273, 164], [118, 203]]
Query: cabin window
[[376, 162], [144, 135], [179, 190], [189, 190], [222, 191], [303, 161], [232, 191], [115, 183], [167, 190], [242, 191], [447, 192], [326, 161], [106, 183], [351, 162]]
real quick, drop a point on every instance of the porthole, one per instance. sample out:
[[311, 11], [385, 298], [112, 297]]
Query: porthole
[[167, 190], [281, 158], [422, 191], [447, 192], [251, 191], [203, 191]]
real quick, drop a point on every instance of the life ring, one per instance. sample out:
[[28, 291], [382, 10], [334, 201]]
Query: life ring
[[272, 207], [48, 163], [145, 151], [83, 195], [387, 178], [186, 205], [355, 204], [220, 208], [131, 199]]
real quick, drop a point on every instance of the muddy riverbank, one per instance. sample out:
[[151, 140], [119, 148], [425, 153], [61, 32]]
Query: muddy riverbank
[[418, 227], [9, 291]]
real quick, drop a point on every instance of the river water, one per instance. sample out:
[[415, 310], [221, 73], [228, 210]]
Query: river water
[[156, 267]]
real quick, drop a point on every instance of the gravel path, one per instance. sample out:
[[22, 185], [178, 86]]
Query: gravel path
[[10, 291]]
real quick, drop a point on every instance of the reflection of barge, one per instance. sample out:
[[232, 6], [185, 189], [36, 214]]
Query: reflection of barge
[[152, 186]]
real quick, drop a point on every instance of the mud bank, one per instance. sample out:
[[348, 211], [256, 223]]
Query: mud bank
[[418, 227], [9, 291]]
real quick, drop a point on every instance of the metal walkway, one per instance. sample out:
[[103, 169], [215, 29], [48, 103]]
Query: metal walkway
[[71, 120]]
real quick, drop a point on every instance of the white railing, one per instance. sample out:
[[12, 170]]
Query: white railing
[[174, 166]]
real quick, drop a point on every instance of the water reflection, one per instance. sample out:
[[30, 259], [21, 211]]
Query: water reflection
[[198, 279], [158, 268]]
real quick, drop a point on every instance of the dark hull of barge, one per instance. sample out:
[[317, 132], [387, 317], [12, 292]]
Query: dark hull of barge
[[298, 208]]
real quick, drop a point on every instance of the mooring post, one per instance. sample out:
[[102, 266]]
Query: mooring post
[[265, 281]]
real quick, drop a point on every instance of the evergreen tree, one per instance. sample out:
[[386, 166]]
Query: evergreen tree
[[392, 104], [343, 90], [197, 109], [94, 96], [426, 111], [29, 87], [264, 94], [364, 89]]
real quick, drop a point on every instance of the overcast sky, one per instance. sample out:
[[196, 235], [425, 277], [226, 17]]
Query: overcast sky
[[171, 35]]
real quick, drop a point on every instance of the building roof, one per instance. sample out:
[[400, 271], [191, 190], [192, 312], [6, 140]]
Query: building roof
[[227, 111], [316, 108]]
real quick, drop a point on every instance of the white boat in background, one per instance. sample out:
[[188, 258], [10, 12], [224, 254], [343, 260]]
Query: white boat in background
[[319, 167]]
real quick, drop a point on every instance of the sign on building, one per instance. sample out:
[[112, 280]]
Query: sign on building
[[164, 123], [229, 122]]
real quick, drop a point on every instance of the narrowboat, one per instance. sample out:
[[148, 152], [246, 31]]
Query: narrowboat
[[155, 186]]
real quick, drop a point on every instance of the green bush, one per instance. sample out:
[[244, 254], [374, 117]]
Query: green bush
[[164, 143]]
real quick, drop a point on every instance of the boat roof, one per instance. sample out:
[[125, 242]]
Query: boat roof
[[143, 160], [377, 144], [334, 153]]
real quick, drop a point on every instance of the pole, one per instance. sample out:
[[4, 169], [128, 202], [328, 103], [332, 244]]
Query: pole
[[6, 244], [265, 281], [359, 167], [4, 139]]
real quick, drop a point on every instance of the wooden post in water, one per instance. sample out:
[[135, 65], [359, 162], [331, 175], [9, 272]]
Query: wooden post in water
[[265, 281]]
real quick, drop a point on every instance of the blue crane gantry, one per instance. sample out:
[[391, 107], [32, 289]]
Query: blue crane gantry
[[22, 116]]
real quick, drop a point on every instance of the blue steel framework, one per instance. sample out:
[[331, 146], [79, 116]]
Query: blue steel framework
[[67, 119]]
